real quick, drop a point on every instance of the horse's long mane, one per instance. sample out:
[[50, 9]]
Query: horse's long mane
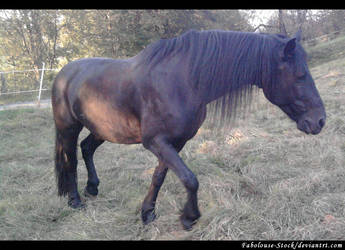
[[221, 62]]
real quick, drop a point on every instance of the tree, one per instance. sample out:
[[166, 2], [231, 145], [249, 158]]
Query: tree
[[313, 23], [282, 29], [29, 37], [123, 33], [56, 37]]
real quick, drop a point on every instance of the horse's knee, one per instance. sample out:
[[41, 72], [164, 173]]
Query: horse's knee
[[191, 182]]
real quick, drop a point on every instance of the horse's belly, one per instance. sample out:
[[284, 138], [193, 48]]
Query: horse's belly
[[111, 124]]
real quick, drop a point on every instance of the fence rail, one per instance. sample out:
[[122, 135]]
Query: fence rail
[[11, 89], [23, 91], [27, 70]]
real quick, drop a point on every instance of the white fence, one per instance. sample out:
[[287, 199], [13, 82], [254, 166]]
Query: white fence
[[18, 86]]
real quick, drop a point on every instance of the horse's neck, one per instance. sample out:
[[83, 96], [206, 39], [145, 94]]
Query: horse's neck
[[210, 96], [236, 83]]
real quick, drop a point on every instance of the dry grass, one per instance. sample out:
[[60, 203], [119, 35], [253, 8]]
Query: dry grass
[[262, 180]]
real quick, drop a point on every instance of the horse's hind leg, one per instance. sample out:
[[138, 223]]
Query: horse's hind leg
[[88, 148], [66, 163]]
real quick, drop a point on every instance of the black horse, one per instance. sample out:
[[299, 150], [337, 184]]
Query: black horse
[[159, 98]]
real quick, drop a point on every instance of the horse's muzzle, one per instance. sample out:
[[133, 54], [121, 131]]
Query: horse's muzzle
[[312, 122]]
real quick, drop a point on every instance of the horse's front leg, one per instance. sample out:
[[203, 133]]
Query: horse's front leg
[[148, 206], [168, 155]]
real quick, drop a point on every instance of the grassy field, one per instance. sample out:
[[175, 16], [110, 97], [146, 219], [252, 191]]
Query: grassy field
[[262, 180]]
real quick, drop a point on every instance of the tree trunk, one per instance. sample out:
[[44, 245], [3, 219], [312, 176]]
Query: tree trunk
[[282, 28]]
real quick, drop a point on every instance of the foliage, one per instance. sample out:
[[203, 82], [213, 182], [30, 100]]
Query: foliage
[[123, 33], [313, 23], [56, 37], [30, 37]]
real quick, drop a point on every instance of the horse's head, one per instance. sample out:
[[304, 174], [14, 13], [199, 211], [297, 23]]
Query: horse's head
[[293, 89]]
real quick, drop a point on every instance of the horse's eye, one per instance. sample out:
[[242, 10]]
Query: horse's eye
[[301, 76]]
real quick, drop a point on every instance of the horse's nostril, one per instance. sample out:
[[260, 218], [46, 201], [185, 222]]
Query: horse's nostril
[[307, 125], [322, 122]]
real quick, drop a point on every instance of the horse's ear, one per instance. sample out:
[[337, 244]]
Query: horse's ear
[[289, 48], [298, 35]]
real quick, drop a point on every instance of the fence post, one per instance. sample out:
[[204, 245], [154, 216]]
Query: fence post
[[41, 82]]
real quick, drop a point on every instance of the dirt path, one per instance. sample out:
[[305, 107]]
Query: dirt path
[[43, 104]]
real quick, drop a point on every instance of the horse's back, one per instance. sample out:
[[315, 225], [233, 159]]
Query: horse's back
[[73, 74]]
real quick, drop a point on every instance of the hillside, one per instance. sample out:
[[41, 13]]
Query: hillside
[[327, 51]]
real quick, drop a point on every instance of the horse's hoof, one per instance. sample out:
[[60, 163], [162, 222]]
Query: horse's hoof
[[188, 223], [76, 204], [148, 216], [89, 195]]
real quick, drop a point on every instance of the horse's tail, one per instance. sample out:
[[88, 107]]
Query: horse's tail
[[61, 162], [66, 136]]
